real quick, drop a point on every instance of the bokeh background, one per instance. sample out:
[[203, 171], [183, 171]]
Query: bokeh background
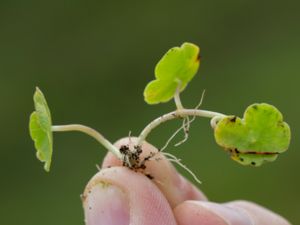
[[92, 60]]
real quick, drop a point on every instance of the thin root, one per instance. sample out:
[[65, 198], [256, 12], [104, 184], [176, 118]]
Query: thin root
[[186, 128], [174, 159], [201, 100], [129, 136], [171, 138], [98, 167], [183, 126], [186, 125]]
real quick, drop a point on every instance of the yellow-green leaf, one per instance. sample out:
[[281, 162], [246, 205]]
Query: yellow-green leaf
[[257, 138], [40, 129], [175, 69]]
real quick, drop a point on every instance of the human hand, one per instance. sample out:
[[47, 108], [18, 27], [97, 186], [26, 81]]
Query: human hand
[[119, 196]]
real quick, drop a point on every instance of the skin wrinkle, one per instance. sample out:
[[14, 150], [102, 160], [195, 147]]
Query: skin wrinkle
[[216, 214], [226, 214], [194, 214], [221, 217], [258, 213], [243, 211], [150, 208]]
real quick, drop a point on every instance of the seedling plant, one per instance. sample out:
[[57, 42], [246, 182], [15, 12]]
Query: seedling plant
[[259, 137]]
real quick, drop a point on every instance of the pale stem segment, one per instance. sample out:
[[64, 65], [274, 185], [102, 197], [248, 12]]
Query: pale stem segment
[[91, 132], [177, 99], [175, 115]]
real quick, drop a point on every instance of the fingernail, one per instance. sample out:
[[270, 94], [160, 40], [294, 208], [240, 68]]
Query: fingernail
[[106, 204], [229, 215]]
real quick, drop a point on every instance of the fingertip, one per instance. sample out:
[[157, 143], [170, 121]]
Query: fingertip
[[106, 203], [118, 194]]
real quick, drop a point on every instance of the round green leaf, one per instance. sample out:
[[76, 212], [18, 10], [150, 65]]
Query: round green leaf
[[176, 68], [40, 129], [259, 137]]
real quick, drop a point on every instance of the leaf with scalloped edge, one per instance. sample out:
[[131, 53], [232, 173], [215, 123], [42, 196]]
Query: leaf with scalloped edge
[[175, 69], [257, 138], [40, 129]]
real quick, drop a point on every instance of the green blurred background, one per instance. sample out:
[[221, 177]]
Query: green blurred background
[[92, 60]]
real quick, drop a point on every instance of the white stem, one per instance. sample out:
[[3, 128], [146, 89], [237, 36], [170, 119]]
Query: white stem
[[174, 115], [177, 99], [91, 132], [214, 121]]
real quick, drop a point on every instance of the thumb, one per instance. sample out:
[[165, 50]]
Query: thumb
[[118, 196]]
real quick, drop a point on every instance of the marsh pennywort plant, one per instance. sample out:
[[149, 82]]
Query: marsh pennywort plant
[[259, 137]]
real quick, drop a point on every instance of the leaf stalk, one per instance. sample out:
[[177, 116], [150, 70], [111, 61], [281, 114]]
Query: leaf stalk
[[91, 132]]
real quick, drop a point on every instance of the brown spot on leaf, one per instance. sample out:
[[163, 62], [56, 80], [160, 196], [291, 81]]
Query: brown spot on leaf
[[233, 119], [261, 153]]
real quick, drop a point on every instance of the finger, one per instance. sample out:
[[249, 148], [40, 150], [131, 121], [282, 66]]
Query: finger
[[118, 196], [174, 186], [258, 214], [234, 213]]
